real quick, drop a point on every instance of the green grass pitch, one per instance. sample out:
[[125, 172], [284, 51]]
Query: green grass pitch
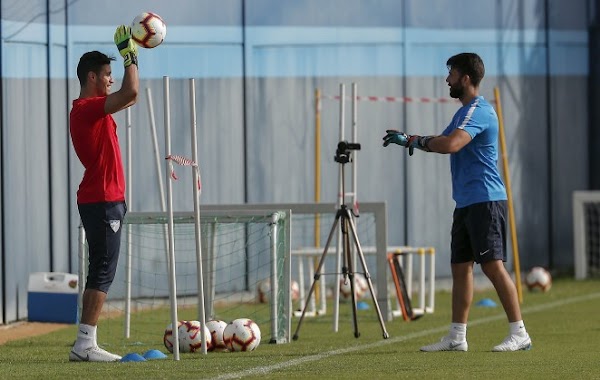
[[564, 325]]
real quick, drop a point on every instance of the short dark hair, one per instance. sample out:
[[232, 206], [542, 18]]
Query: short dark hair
[[91, 61], [468, 64]]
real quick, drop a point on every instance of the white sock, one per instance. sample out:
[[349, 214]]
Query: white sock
[[458, 331], [517, 328], [86, 337]]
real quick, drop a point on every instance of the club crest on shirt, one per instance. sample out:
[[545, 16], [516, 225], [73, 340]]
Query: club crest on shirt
[[114, 225]]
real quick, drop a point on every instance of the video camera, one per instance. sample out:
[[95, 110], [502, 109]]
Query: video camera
[[344, 148]]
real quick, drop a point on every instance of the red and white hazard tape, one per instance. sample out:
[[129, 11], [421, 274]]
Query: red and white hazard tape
[[183, 161], [394, 99]]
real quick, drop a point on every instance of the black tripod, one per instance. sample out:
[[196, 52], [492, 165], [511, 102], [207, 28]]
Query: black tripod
[[344, 215]]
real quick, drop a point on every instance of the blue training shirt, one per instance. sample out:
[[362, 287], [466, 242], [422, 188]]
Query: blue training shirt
[[475, 175]]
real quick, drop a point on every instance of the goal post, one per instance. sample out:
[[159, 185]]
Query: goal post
[[241, 248], [263, 235], [586, 233]]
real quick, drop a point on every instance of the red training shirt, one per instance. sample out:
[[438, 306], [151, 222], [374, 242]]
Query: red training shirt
[[94, 137]]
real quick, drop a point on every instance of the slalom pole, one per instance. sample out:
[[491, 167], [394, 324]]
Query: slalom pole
[[317, 230], [129, 236], [511, 211], [171, 235], [157, 160], [338, 259], [196, 191]]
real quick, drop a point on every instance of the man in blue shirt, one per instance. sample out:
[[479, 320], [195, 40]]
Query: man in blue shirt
[[479, 221]]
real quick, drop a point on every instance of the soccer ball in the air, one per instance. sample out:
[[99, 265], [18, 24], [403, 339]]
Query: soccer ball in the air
[[190, 336], [360, 287], [148, 30], [168, 336], [216, 328], [241, 334], [538, 279]]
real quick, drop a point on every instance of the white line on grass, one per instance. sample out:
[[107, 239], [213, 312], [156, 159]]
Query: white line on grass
[[311, 358]]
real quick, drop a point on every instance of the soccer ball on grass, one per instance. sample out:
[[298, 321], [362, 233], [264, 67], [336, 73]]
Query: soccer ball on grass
[[263, 291], [216, 328], [360, 287], [148, 30], [241, 334], [538, 279], [190, 336], [168, 336]]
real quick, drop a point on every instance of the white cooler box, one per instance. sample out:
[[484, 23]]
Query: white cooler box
[[52, 297]]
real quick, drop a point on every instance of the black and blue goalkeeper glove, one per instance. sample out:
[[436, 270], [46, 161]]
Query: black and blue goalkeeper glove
[[419, 142], [396, 137], [407, 141]]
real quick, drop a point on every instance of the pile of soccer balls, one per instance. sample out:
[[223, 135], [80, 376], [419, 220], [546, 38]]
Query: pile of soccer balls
[[241, 334], [538, 279]]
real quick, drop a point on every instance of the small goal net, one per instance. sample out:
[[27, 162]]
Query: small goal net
[[240, 249], [586, 233]]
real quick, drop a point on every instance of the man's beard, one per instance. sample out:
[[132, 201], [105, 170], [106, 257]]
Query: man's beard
[[456, 92]]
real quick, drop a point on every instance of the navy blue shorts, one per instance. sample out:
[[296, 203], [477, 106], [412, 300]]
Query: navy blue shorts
[[103, 224], [479, 233]]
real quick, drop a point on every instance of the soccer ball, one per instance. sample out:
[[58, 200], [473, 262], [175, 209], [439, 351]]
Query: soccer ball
[[148, 30], [360, 287], [190, 336], [538, 279], [168, 336], [295, 291], [263, 291], [241, 334], [216, 328]]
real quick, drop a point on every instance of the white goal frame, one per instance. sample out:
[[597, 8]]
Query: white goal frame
[[378, 209], [280, 309], [580, 198]]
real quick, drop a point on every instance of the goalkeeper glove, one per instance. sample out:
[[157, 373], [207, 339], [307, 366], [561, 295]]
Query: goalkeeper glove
[[126, 45], [419, 142], [396, 137], [407, 141]]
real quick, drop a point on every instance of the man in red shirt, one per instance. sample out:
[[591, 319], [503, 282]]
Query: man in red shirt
[[101, 194]]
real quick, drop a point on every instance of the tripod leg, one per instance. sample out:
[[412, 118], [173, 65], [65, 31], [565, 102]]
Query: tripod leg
[[361, 256], [317, 275], [350, 270]]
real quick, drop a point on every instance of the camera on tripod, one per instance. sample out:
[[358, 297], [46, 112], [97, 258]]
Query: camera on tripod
[[344, 148]]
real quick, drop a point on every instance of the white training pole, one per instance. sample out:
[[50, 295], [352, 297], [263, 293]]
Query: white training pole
[[422, 288], [323, 298], [300, 266], [274, 275], [431, 280], [129, 201], [157, 160], [82, 274], [211, 262], [161, 187], [171, 234], [196, 192], [336, 286], [354, 140], [407, 266], [353, 193]]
